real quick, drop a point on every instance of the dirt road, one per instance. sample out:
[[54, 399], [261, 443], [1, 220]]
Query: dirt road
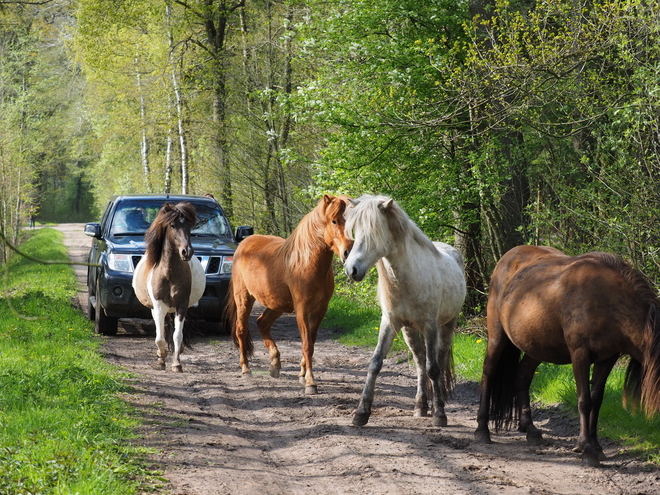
[[220, 433]]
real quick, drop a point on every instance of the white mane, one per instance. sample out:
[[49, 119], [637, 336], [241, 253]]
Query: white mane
[[380, 219]]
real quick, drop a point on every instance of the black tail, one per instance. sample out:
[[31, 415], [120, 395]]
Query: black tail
[[503, 410], [230, 315]]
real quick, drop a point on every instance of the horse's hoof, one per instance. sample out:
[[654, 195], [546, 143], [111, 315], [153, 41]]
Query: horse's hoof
[[482, 436], [301, 379], [601, 455], [246, 374], [360, 419], [590, 460], [534, 438], [275, 372], [311, 390], [440, 420], [420, 412], [177, 368], [161, 365]]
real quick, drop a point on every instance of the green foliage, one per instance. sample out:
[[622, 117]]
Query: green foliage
[[63, 427]]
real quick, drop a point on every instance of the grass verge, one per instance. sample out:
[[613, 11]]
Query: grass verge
[[358, 316], [63, 426]]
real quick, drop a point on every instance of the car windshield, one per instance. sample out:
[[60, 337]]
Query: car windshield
[[133, 218]]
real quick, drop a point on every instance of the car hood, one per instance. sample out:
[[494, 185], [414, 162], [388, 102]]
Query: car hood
[[203, 245]]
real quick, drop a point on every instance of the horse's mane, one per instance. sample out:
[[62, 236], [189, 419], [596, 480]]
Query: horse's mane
[[155, 235], [642, 381], [368, 212], [307, 237]]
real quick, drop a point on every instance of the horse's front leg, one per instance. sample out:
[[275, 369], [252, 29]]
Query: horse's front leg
[[385, 338], [308, 324], [599, 376], [525, 375], [179, 321], [264, 323], [581, 366], [418, 348], [158, 313]]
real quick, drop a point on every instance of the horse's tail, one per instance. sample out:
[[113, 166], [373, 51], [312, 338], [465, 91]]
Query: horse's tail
[[230, 316], [648, 374], [503, 410]]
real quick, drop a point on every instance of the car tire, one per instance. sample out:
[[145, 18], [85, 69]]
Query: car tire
[[104, 324], [91, 312]]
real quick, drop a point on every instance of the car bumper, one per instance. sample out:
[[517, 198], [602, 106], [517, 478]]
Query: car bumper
[[120, 301]]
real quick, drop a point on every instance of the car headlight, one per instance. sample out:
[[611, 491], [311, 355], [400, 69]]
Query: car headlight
[[227, 263], [120, 262]]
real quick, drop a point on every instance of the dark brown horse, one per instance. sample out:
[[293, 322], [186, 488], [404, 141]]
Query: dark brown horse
[[581, 310], [288, 275], [168, 278]]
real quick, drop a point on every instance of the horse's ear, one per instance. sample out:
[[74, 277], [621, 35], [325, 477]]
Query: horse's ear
[[327, 199], [353, 202], [385, 205], [167, 207]]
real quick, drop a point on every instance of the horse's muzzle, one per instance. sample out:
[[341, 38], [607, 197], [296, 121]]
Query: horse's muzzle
[[187, 253], [353, 273]]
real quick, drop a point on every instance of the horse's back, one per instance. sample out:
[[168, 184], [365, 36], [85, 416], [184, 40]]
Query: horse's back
[[548, 303], [140, 276], [259, 268], [198, 281]]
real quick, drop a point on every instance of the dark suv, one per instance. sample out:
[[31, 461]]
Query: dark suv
[[118, 245]]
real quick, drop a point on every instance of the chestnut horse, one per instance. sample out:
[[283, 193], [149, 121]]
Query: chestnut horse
[[288, 275], [582, 310], [168, 278], [421, 289]]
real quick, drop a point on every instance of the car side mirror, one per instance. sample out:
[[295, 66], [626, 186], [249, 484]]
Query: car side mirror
[[93, 230], [243, 232]]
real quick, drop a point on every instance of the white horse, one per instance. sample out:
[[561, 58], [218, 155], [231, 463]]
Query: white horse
[[168, 278], [421, 289]]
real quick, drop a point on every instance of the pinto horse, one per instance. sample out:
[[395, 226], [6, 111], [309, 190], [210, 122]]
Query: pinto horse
[[421, 289], [168, 278], [288, 275], [582, 310]]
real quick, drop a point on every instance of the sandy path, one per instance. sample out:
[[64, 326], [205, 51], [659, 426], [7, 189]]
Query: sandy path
[[220, 433]]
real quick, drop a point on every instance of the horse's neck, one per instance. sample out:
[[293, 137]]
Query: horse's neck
[[401, 262]]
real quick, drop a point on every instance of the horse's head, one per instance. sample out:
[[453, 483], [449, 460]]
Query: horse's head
[[333, 234], [370, 221], [173, 223]]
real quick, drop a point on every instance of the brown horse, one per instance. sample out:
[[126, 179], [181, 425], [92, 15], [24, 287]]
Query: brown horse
[[168, 278], [581, 310], [288, 275]]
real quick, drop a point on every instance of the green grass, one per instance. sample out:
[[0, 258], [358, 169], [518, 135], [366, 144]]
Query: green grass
[[63, 426], [357, 314]]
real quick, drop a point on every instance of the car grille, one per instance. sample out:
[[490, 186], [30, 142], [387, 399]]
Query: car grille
[[211, 264]]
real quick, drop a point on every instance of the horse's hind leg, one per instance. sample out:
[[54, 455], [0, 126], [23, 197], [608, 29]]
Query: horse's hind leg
[[443, 383], [264, 323], [526, 370], [416, 345], [385, 338]]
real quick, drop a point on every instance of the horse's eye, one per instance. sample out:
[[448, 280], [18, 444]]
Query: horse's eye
[[334, 222]]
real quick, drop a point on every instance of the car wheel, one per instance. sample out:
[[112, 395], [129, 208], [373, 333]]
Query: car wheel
[[104, 324], [91, 312]]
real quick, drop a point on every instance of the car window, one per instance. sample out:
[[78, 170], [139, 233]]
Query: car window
[[135, 217], [210, 221]]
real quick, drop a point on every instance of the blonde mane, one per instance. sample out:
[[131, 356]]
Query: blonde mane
[[307, 238]]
